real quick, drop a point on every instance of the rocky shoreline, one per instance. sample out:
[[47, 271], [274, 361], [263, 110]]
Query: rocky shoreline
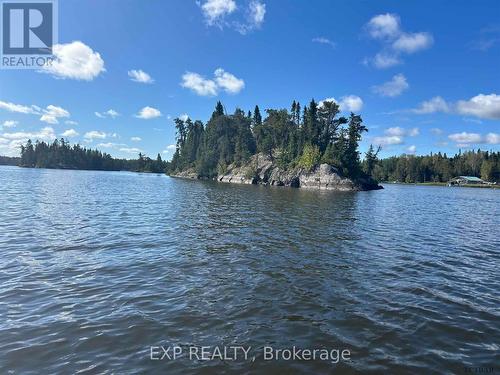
[[261, 170]]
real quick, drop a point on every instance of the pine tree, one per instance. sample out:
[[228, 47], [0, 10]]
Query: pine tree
[[257, 118]]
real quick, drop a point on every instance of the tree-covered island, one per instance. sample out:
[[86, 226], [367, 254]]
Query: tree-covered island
[[293, 148]]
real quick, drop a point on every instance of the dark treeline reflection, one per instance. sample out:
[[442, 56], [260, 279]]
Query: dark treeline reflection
[[61, 155]]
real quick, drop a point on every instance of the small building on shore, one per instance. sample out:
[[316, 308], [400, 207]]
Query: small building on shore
[[466, 180]]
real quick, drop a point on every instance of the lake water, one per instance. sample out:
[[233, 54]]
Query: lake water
[[97, 267]]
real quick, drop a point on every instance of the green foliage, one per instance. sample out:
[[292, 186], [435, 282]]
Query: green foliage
[[304, 136], [310, 157], [60, 154], [438, 167]]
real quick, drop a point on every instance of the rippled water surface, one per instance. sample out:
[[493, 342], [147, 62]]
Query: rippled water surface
[[99, 266]]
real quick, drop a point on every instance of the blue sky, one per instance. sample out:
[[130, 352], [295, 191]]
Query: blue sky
[[424, 75]]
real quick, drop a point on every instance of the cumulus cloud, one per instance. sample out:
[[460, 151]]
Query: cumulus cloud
[[465, 139], [130, 150], [249, 18], [392, 88], [136, 139], [75, 60], [10, 124], [198, 84], [140, 76], [70, 122], [436, 131], [492, 139], [436, 104], [109, 113], [214, 11], [170, 149], [386, 28], [70, 133], [184, 117], [413, 42], [52, 113], [210, 87], [395, 136], [228, 82], [94, 134], [397, 131], [388, 140], [10, 143], [348, 103], [384, 60], [323, 40], [18, 108], [352, 103], [482, 106], [411, 149], [147, 113]]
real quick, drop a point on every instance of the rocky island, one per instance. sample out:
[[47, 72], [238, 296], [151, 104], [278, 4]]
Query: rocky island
[[310, 148], [262, 171]]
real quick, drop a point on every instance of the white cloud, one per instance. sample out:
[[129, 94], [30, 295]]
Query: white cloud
[[140, 76], [388, 140], [348, 103], [384, 26], [10, 124], [75, 61], [397, 131], [94, 134], [70, 122], [465, 138], [131, 150], [392, 88], [10, 143], [228, 82], [215, 10], [436, 104], [184, 117], [11, 107], [147, 113], [51, 114], [384, 60], [70, 133], [352, 103], [413, 42], [136, 139], [411, 149], [323, 40], [492, 139], [387, 29], [436, 131], [210, 87], [109, 113], [482, 106], [170, 149], [257, 11], [198, 84]]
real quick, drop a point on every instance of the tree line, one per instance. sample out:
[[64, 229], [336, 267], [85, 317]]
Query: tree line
[[435, 167], [61, 155], [299, 137]]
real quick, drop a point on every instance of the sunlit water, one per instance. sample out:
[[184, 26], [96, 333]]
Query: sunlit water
[[97, 267]]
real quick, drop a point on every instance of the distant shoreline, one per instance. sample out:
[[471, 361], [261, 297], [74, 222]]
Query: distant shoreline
[[445, 184]]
